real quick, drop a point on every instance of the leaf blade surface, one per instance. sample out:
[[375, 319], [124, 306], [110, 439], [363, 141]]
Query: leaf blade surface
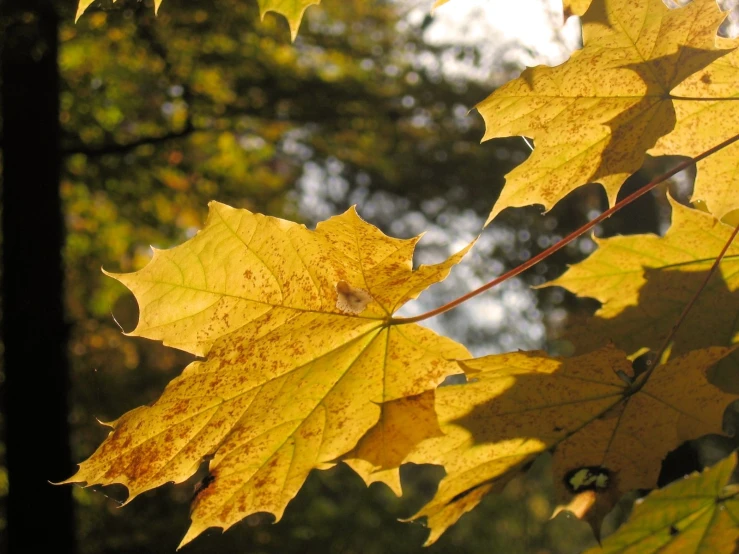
[[594, 117], [607, 439], [695, 515], [300, 357]]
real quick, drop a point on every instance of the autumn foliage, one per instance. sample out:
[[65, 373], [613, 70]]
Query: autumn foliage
[[303, 364]]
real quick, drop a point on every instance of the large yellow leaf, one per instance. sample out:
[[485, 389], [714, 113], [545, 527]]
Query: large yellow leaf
[[702, 124], [697, 515], [645, 281], [594, 117], [293, 10], [300, 355], [609, 436]]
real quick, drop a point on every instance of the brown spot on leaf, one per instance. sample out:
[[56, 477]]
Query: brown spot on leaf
[[351, 300]]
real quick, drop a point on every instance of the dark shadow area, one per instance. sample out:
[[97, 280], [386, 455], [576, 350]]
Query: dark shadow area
[[602, 439], [712, 321]]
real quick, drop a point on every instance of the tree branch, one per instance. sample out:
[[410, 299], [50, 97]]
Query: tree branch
[[95, 151]]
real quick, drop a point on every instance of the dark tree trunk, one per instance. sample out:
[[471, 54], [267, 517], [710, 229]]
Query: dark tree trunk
[[40, 517]]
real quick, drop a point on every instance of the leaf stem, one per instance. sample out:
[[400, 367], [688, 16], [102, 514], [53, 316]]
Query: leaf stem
[[704, 99], [656, 360], [566, 240]]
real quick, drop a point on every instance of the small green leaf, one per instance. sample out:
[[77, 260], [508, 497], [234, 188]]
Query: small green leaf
[[699, 514]]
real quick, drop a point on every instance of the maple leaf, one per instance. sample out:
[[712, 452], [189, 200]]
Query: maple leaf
[[609, 431], [293, 10], [301, 354], [698, 514], [702, 123], [645, 281], [594, 117]]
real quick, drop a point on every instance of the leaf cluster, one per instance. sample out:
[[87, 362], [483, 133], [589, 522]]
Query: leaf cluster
[[303, 363]]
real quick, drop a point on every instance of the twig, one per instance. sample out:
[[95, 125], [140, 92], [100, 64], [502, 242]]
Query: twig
[[128, 146], [568, 239], [657, 359]]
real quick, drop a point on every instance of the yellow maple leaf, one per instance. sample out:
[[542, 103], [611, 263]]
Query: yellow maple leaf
[[300, 354], [594, 117], [609, 433], [645, 281], [702, 123], [695, 515], [293, 10]]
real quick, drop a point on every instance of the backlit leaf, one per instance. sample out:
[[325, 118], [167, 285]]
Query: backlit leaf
[[697, 515], [594, 117], [645, 281], [300, 357], [608, 436], [403, 424], [702, 124]]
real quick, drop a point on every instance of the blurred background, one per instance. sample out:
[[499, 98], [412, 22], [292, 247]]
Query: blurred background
[[134, 122]]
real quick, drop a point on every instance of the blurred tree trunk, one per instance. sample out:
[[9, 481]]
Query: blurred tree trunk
[[40, 517]]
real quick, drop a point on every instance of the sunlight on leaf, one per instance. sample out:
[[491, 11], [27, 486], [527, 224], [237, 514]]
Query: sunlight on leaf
[[575, 7], [645, 281], [698, 514], [702, 124], [608, 437], [594, 117], [403, 424], [293, 378]]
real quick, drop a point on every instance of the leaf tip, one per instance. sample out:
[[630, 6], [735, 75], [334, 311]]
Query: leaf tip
[[493, 213], [192, 533], [69, 481]]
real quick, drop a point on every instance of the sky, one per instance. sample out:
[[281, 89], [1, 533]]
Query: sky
[[535, 26]]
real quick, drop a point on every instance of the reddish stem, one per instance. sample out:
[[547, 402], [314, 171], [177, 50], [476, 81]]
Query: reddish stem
[[565, 241]]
